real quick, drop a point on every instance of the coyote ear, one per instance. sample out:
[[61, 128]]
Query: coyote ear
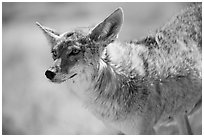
[[109, 28], [50, 34]]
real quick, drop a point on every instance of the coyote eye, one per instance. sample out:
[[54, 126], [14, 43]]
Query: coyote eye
[[75, 51], [54, 54]]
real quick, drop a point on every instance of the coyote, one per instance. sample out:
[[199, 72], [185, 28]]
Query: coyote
[[133, 86]]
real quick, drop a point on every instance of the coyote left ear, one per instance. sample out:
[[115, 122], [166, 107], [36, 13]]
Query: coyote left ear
[[50, 34], [108, 29]]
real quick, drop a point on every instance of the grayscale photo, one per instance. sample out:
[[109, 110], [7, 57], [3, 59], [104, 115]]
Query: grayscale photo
[[101, 68]]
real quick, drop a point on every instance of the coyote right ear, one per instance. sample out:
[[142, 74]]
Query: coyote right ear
[[109, 28], [51, 35]]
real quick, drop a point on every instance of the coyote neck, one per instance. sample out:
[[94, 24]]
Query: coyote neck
[[113, 95]]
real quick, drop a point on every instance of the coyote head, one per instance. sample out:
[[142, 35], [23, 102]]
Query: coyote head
[[75, 52]]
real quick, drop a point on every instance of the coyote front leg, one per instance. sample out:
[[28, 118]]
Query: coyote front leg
[[183, 124]]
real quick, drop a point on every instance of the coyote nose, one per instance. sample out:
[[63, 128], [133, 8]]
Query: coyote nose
[[49, 74]]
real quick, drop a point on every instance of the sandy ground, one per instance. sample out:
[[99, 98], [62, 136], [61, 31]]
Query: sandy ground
[[32, 104]]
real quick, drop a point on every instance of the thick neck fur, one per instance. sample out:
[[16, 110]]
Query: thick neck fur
[[116, 88]]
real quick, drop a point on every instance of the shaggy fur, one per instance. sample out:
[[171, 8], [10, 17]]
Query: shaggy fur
[[137, 85]]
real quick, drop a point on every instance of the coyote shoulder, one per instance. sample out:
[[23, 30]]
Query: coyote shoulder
[[137, 85]]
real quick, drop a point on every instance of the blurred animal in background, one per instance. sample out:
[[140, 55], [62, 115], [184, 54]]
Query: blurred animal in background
[[133, 86]]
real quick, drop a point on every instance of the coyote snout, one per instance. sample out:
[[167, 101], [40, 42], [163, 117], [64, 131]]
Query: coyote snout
[[57, 74], [50, 74], [53, 71], [138, 85]]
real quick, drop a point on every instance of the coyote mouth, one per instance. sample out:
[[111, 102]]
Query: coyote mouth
[[62, 80], [72, 75]]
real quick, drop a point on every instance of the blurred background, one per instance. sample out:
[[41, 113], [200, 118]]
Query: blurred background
[[32, 104]]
